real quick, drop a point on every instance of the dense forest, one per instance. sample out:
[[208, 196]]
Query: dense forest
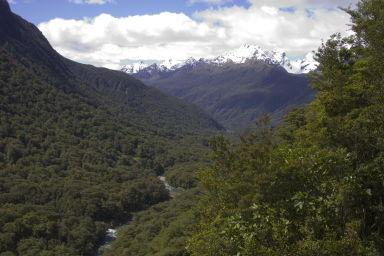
[[81, 149], [164, 229], [314, 186]]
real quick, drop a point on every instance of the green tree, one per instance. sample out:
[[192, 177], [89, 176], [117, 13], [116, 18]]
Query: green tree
[[316, 187]]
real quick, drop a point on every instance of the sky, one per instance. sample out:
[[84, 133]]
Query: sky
[[112, 33]]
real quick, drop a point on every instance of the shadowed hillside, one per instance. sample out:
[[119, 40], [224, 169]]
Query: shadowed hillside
[[235, 94]]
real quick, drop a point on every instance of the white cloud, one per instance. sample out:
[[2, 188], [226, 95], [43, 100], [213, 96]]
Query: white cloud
[[111, 42], [91, 1], [304, 3], [12, 1], [271, 28]]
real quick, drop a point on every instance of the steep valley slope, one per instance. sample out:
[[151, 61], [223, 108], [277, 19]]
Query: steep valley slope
[[80, 147], [235, 94]]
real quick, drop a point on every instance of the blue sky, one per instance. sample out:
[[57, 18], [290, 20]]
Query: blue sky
[[37, 11], [111, 33]]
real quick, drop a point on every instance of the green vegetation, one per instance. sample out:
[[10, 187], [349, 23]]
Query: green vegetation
[[235, 94], [69, 168], [145, 105], [316, 186], [79, 153], [80, 149], [161, 230]]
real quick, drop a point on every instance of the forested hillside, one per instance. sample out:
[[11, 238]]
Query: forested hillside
[[146, 105], [164, 229], [80, 147], [316, 186], [235, 94]]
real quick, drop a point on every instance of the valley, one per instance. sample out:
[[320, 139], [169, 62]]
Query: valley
[[112, 233], [235, 94], [81, 147], [249, 152]]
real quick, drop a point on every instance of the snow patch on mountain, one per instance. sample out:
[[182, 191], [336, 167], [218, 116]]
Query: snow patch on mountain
[[248, 52], [305, 65], [134, 68], [164, 66], [172, 64]]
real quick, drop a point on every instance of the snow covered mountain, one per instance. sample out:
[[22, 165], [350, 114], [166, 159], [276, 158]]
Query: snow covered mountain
[[243, 54], [134, 68], [252, 52], [166, 65], [305, 65]]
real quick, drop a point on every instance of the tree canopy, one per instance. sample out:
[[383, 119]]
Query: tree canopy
[[315, 186]]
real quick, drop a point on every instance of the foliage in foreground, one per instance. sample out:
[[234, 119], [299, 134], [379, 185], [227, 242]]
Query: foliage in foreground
[[316, 187]]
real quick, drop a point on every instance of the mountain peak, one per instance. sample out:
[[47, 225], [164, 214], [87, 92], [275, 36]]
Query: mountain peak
[[248, 52], [243, 54], [26, 39], [4, 7], [5, 15], [135, 67], [8, 24]]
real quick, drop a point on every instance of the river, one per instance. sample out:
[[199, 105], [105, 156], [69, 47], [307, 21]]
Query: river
[[111, 233]]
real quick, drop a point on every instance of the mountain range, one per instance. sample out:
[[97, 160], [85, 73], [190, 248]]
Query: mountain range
[[241, 55], [235, 88]]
